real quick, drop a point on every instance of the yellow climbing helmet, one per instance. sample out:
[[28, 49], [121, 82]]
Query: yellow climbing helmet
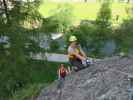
[[72, 38]]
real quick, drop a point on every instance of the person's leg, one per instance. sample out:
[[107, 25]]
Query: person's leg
[[72, 65], [60, 84], [78, 64]]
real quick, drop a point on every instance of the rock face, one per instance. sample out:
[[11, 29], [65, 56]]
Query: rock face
[[107, 79]]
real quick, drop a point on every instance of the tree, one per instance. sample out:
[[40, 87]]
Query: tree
[[14, 69], [103, 27], [124, 35], [6, 10], [103, 20], [60, 21], [129, 11]]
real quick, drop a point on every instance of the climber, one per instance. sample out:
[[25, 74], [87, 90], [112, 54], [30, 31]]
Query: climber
[[76, 55], [62, 73]]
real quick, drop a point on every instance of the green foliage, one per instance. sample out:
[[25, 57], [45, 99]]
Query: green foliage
[[129, 11], [124, 35], [42, 73], [104, 29], [14, 68], [31, 46], [87, 37], [49, 25], [28, 93], [86, 11], [19, 11], [103, 20], [83, 32], [54, 45], [60, 21], [13, 64]]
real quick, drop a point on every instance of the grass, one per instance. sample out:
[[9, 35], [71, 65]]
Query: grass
[[30, 92], [83, 11], [42, 73]]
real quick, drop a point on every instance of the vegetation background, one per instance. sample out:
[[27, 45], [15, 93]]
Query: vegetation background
[[22, 23]]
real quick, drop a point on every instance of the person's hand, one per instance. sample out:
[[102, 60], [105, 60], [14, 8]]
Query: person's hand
[[84, 62], [69, 70], [83, 59], [58, 77]]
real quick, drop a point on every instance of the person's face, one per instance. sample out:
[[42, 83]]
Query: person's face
[[62, 66], [74, 44]]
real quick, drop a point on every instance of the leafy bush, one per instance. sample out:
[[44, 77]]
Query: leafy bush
[[124, 35], [14, 71], [103, 21], [89, 38], [93, 35], [32, 46], [42, 73], [54, 45], [83, 32], [86, 34], [129, 11], [60, 21], [28, 93]]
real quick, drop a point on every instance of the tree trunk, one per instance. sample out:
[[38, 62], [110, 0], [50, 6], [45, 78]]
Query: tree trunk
[[6, 10]]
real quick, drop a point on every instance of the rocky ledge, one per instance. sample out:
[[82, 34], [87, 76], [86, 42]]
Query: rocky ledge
[[107, 79]]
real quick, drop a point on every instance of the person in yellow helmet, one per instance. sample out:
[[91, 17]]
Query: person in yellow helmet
[[75, 54]]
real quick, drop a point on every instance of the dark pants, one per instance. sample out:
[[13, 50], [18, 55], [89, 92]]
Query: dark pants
[[76, 63], [60, 83]]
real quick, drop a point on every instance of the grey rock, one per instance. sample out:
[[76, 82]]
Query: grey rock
[[107, 79]]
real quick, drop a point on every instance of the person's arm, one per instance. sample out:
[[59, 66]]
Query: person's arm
[[58, 72], [68, 70], [83, 53], [77, 55], [71, 51]]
